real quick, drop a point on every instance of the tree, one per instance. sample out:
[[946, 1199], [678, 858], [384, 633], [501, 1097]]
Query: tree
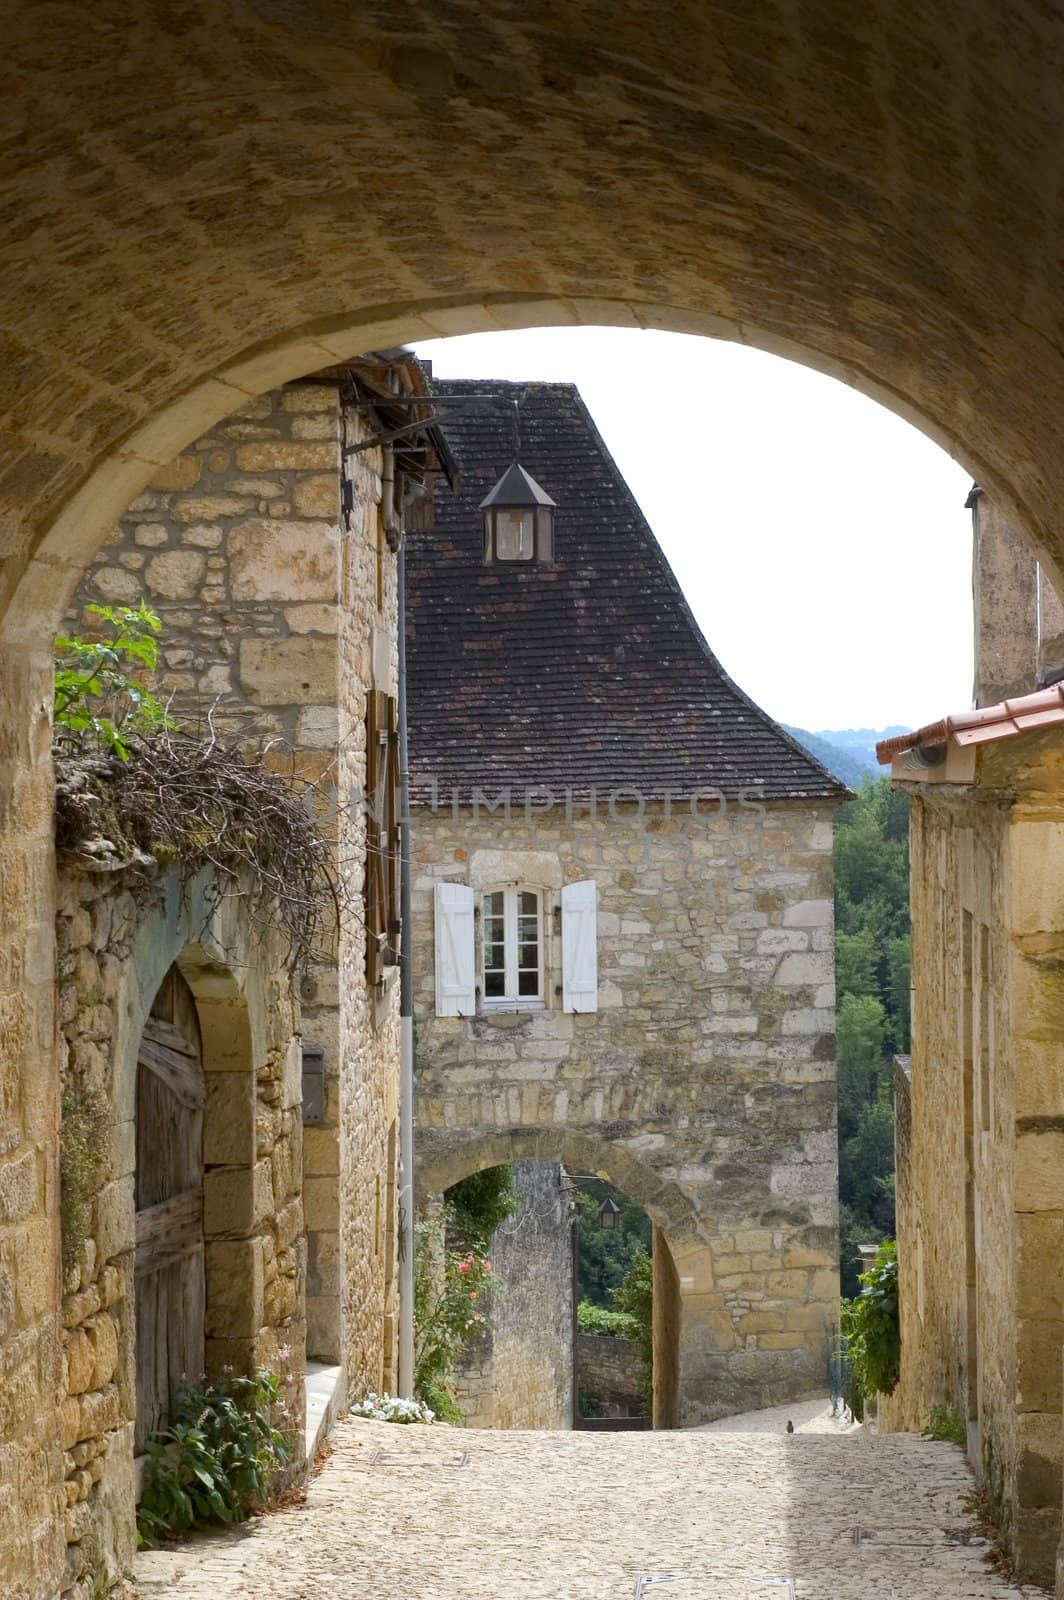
[[604, 1255], [873, 958], [636, 1297], [478, 1204]]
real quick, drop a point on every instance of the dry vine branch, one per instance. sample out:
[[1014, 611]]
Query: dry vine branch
[[202, 804]]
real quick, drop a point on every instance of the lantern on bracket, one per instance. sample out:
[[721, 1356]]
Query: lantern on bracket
[[518, 519], [608, 1212], [518, 514]]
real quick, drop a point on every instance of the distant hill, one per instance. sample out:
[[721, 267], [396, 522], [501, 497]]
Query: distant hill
[[850, 753]]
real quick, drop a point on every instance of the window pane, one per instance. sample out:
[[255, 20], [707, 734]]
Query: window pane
[[514, 535], [493, 904], [494, 985], [528, 903], [493, 957], [528, 983], [528, 955]]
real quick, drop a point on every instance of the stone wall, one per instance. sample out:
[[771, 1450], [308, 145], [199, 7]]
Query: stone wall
[[704, 1086], [981, 1176], [118, 935], [519, 1373], [609, 1372], [277, 595]]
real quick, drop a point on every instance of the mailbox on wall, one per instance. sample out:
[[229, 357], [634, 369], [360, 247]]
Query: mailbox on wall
[[313, 1084]]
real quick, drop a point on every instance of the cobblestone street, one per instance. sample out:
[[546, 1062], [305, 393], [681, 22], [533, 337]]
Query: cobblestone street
[[435, 1514]]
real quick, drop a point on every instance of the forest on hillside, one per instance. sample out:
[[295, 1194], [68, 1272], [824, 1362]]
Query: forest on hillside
[[872, 978]]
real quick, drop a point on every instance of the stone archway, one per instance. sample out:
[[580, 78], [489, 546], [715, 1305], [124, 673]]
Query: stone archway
[[876, 190], [672, 1216]]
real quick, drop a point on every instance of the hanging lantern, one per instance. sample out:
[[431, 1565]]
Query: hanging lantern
[[608, 1212], [518, 519]]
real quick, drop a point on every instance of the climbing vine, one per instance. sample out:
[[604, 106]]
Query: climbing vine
[[450, 1289]]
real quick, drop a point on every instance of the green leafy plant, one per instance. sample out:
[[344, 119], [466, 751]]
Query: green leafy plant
[[635, 1298], [450, 1290], [218, 1459], [871, 1326], [95, 694], [607, 1324], [945, 1424]]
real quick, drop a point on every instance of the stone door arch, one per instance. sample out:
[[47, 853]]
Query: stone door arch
[[169, 1270], [441, 1163]]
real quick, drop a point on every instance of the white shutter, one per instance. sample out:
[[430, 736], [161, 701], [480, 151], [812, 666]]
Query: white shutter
[[456, 984], [579, 946]]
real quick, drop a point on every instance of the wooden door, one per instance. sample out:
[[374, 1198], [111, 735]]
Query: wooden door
[[169, 1272]]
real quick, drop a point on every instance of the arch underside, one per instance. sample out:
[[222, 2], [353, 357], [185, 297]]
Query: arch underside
[[870, 191], [443, 1158]]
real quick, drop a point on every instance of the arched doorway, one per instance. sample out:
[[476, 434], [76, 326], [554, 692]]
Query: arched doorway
[[169, 1274], [674, 1236]]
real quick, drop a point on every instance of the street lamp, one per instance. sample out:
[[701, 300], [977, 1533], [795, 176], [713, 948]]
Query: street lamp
[[608, 1212]]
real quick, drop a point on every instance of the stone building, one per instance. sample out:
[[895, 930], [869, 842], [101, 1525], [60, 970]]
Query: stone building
[[980, 1160], [980, 1106], [268, 551], [518, 1372], [622, 907]]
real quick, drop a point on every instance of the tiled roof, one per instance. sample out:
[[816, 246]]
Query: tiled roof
[[1027, 713], [590, 671]]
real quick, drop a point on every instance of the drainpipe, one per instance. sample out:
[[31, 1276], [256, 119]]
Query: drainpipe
[[406, 1006]]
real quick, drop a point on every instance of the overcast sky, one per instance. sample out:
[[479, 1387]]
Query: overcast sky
[[821, 541]]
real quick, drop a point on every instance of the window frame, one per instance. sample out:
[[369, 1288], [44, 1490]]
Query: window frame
[[512, 999]]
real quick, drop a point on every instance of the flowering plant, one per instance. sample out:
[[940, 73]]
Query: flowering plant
[[449, 1298], [391, 1408]]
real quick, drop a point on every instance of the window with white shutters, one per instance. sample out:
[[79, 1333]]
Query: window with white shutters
[[511, 925], [579, 946], [456, 981]]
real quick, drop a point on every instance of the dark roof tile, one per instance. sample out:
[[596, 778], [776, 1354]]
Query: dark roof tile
[[590, 672]]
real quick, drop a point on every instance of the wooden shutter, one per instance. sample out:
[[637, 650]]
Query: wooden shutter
[[383, 840], [579, 946], [456, 985]]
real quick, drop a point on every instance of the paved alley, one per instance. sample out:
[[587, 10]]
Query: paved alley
[[441, 1514]]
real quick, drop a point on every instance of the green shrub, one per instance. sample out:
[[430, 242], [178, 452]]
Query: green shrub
[[94, 693], [871, 1326], [216, 1461], [608, 1324], [946, 1424], [440, 1401]]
